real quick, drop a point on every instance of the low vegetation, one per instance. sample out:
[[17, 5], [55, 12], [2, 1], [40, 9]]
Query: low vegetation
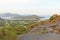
[[10, 29], [7, 33]]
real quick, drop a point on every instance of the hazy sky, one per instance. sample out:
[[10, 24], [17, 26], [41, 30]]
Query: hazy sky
[[39, 7]]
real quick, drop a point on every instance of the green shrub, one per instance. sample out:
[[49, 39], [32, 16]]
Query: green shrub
[[20, 30], [7, 33]]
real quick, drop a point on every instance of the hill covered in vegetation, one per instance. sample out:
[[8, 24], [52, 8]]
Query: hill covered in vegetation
[[20, 27]]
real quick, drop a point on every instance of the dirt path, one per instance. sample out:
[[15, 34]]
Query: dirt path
[[49, 36]]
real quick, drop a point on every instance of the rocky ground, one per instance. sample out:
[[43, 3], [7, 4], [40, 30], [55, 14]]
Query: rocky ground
[[36, 33]]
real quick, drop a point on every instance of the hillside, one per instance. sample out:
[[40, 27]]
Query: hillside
[[44, 30], [28, 17], [29, 27], [8, 15], [19, 17]]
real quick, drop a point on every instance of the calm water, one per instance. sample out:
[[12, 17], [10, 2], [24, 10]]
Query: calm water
[[46, 17]]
